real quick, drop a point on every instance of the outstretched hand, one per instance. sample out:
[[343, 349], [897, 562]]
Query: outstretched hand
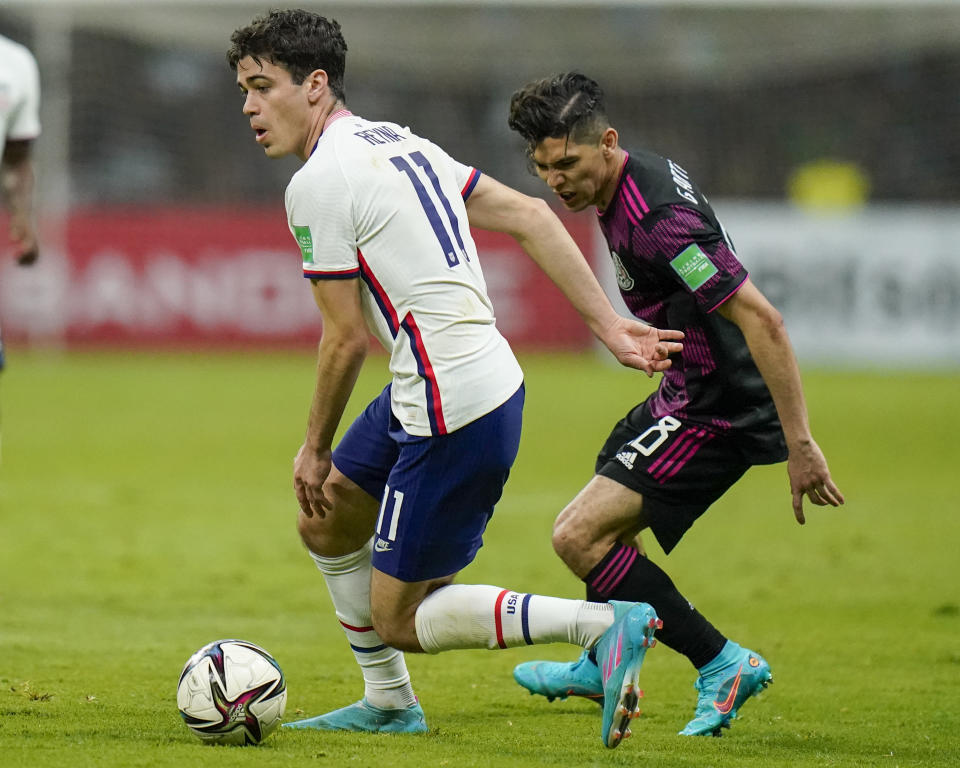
[[810, 476], [643, 347]]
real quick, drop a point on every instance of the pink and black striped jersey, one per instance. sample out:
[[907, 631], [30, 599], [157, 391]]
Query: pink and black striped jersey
[[675, 265], [378, 203]]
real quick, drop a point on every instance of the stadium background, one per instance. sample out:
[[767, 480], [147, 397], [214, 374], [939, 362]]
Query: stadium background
[[145, 504], [824, 132]]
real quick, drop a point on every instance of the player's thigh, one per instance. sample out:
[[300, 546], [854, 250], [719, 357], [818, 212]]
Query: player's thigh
[[347, 525], [362, 461], [441, 493], [603, 512]]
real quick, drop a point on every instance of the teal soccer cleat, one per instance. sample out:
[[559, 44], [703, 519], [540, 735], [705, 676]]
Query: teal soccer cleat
[[558, 679], [363, 717], [724, 685], [620, 653]]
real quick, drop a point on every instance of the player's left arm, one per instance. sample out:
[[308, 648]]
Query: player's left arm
[[766, 336], [16, 183], [343, 348], [529, 220]]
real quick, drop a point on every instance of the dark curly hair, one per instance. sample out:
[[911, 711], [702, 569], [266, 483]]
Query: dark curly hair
[[298, 40], [568, 105]]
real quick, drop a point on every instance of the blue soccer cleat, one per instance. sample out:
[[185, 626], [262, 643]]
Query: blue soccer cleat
[[363, 717], [620, 653], [558, 679], [724, 685]]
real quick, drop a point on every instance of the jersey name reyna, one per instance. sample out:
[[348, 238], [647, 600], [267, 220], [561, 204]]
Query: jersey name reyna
[[379, 203]]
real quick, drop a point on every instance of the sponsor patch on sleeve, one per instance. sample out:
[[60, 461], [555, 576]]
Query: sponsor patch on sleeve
[[693, 266], [305, 241]]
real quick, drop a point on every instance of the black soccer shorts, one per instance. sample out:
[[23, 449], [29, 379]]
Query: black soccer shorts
[[680, 468]]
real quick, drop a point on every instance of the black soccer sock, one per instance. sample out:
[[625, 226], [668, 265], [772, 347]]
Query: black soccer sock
[[625, 574]]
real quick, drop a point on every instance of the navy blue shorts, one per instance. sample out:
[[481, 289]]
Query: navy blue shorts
[[436, 493]]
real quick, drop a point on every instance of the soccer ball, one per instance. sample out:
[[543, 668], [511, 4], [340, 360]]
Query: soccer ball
[[231, 692]]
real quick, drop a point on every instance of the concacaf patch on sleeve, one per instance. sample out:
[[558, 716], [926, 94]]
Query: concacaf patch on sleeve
[[693, 266], [305, 241]]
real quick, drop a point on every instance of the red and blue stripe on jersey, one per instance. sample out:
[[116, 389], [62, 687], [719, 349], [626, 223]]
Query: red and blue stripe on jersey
[[471, 183], [409, 326], [321, 274]]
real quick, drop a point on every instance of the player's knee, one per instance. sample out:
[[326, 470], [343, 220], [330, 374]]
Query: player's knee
[[339, 531], [564, 540], [315, 537], [307, 530]]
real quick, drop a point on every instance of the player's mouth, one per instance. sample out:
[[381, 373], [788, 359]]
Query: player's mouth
[[260, 133], [566, 196]]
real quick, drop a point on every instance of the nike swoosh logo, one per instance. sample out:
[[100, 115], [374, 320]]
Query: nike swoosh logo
[[726, 705]]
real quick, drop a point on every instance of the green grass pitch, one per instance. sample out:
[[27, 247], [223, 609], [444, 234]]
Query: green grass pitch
[[146, 508]]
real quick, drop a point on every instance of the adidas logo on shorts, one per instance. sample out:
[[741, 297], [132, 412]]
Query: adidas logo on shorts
[[627, 458]]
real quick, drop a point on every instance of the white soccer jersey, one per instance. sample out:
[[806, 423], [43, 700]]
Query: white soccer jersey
[[19, 93], [377, 202]]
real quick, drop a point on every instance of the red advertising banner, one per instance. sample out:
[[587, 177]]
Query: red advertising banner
[[228, 276]]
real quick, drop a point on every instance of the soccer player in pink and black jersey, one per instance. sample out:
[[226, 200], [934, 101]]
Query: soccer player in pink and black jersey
[[732, 399]]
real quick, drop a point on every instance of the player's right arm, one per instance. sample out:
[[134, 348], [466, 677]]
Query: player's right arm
[[16, 183], [16, 163], [320, 215], [497, 207], [343, 348]]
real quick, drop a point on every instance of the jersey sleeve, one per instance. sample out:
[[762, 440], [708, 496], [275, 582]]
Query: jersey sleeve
[[471, 179], [689, 251], [25, 119], [320, 217]]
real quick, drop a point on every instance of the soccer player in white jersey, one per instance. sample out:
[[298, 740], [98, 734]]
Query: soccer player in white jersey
[[19, 126], [382, 218]]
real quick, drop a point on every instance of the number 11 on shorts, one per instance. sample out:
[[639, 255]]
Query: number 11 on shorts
[[382, 543]]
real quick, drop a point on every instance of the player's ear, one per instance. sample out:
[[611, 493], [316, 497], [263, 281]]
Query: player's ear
[[317, 84], [608, 142]]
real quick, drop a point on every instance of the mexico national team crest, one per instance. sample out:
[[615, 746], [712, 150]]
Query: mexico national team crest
[[623, 277]]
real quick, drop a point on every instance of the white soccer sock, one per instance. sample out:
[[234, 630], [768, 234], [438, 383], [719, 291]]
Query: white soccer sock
[[385, 676], [481, 616]]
